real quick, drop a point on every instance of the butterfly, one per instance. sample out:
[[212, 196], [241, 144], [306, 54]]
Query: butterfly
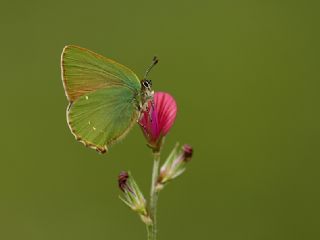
[[105, 98]]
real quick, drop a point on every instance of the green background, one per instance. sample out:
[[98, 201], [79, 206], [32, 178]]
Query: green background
[[245, 75]]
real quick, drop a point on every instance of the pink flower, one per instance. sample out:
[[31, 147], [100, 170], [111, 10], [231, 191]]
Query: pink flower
[[157, 123]]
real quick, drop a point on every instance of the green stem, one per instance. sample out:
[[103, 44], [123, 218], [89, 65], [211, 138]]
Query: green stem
[[149, 231], [154, 194]]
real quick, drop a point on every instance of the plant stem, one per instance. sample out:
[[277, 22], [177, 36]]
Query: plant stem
[[154, 194], [149, 231]]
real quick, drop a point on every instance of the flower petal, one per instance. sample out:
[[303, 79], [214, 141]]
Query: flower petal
[[166, 111]]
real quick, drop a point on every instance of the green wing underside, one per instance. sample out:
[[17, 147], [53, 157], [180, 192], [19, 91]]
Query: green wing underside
[[103, 96], [84, 71], [103, 117]]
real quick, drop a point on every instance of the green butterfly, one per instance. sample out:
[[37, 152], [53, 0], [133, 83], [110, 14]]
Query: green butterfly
[[105, 97]]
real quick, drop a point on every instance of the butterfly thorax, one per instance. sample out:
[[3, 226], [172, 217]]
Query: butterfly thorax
[[146, 94]]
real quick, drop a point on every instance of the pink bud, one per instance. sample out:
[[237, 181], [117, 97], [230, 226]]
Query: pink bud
[[187, 152], [122, 180], [157, 123]]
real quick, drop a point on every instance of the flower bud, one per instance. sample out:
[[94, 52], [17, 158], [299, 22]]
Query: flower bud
[[157, 122], [175, 165], [122, 180], [187, 152], [133, 197]]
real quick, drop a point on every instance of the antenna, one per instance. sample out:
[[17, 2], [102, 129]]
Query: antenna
[[155, 60]]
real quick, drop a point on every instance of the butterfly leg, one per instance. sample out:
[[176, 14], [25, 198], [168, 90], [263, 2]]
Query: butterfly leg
[[143, 126], [139, 117], [144, 108], [145, 130], [152, 106]]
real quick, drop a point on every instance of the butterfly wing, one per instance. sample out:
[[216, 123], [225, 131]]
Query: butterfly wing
[[103, 96], [84, 71], [101, 118]]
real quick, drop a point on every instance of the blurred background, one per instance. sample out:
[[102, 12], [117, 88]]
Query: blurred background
[[245, 75]]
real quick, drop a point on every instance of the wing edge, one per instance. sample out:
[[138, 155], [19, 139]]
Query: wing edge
[[103, 149]]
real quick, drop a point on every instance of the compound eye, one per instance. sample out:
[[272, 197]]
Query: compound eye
[[145, 84]]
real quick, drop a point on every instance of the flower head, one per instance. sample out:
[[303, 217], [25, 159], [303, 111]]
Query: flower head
[[157, 122], [133, 197], [175, 164]]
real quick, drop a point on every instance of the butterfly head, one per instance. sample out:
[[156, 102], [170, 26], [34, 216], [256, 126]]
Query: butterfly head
[[147, 89]]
